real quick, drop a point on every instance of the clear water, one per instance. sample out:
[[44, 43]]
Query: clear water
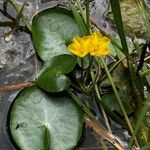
[[18, 63]]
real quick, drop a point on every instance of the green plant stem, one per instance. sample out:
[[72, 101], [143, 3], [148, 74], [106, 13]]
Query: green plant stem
[[97, 74], [81, 104], [144, 73], [82, 67], [117, 95], [17, 8], [78, 18], [91, 58], [81, 10], [99, 98], [137, 46], [87, 16], [82, 77], [119, 100], [113, 67], [93, 123], [140, 119]]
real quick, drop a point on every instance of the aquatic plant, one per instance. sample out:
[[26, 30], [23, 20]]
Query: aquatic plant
[[50, 114]]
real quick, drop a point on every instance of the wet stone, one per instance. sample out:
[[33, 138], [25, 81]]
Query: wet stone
[[18, 63]]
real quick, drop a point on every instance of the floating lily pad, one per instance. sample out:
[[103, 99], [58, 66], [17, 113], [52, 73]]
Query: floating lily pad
[[52, 29], [51, 78], [41, 121]]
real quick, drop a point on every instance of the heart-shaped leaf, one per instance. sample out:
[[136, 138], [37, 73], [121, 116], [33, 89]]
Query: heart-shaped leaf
[[52, 29], [51, 78], [41, 121]]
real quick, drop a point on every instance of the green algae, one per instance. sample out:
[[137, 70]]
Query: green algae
[[132, 18]]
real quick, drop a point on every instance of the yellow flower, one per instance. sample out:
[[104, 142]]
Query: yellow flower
[[95, 44], [79, 46], [99, 45]]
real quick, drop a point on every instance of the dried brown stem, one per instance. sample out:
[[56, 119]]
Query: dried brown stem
[[16, 86], [103, 133]]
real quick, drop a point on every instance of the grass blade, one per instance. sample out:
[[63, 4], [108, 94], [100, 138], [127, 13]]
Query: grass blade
[[88, 16], [140, 120], [17, 8], [79, 20], [115, 6]]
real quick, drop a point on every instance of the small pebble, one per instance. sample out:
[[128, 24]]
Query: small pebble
[[8, 38]]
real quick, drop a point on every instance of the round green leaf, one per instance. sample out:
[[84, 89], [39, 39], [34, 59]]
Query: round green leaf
[[52, 29], [51, 78], [40, 121]]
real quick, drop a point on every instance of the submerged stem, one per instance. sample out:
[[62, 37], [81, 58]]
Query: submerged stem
[[117, 95], [16, 86], [99, 98], [91, 121], [102, 132], [81, 104], [118, 98]]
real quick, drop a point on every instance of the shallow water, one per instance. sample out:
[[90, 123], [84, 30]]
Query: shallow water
[[18, 63]]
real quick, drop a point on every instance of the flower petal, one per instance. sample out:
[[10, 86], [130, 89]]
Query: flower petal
[[95, 44]]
